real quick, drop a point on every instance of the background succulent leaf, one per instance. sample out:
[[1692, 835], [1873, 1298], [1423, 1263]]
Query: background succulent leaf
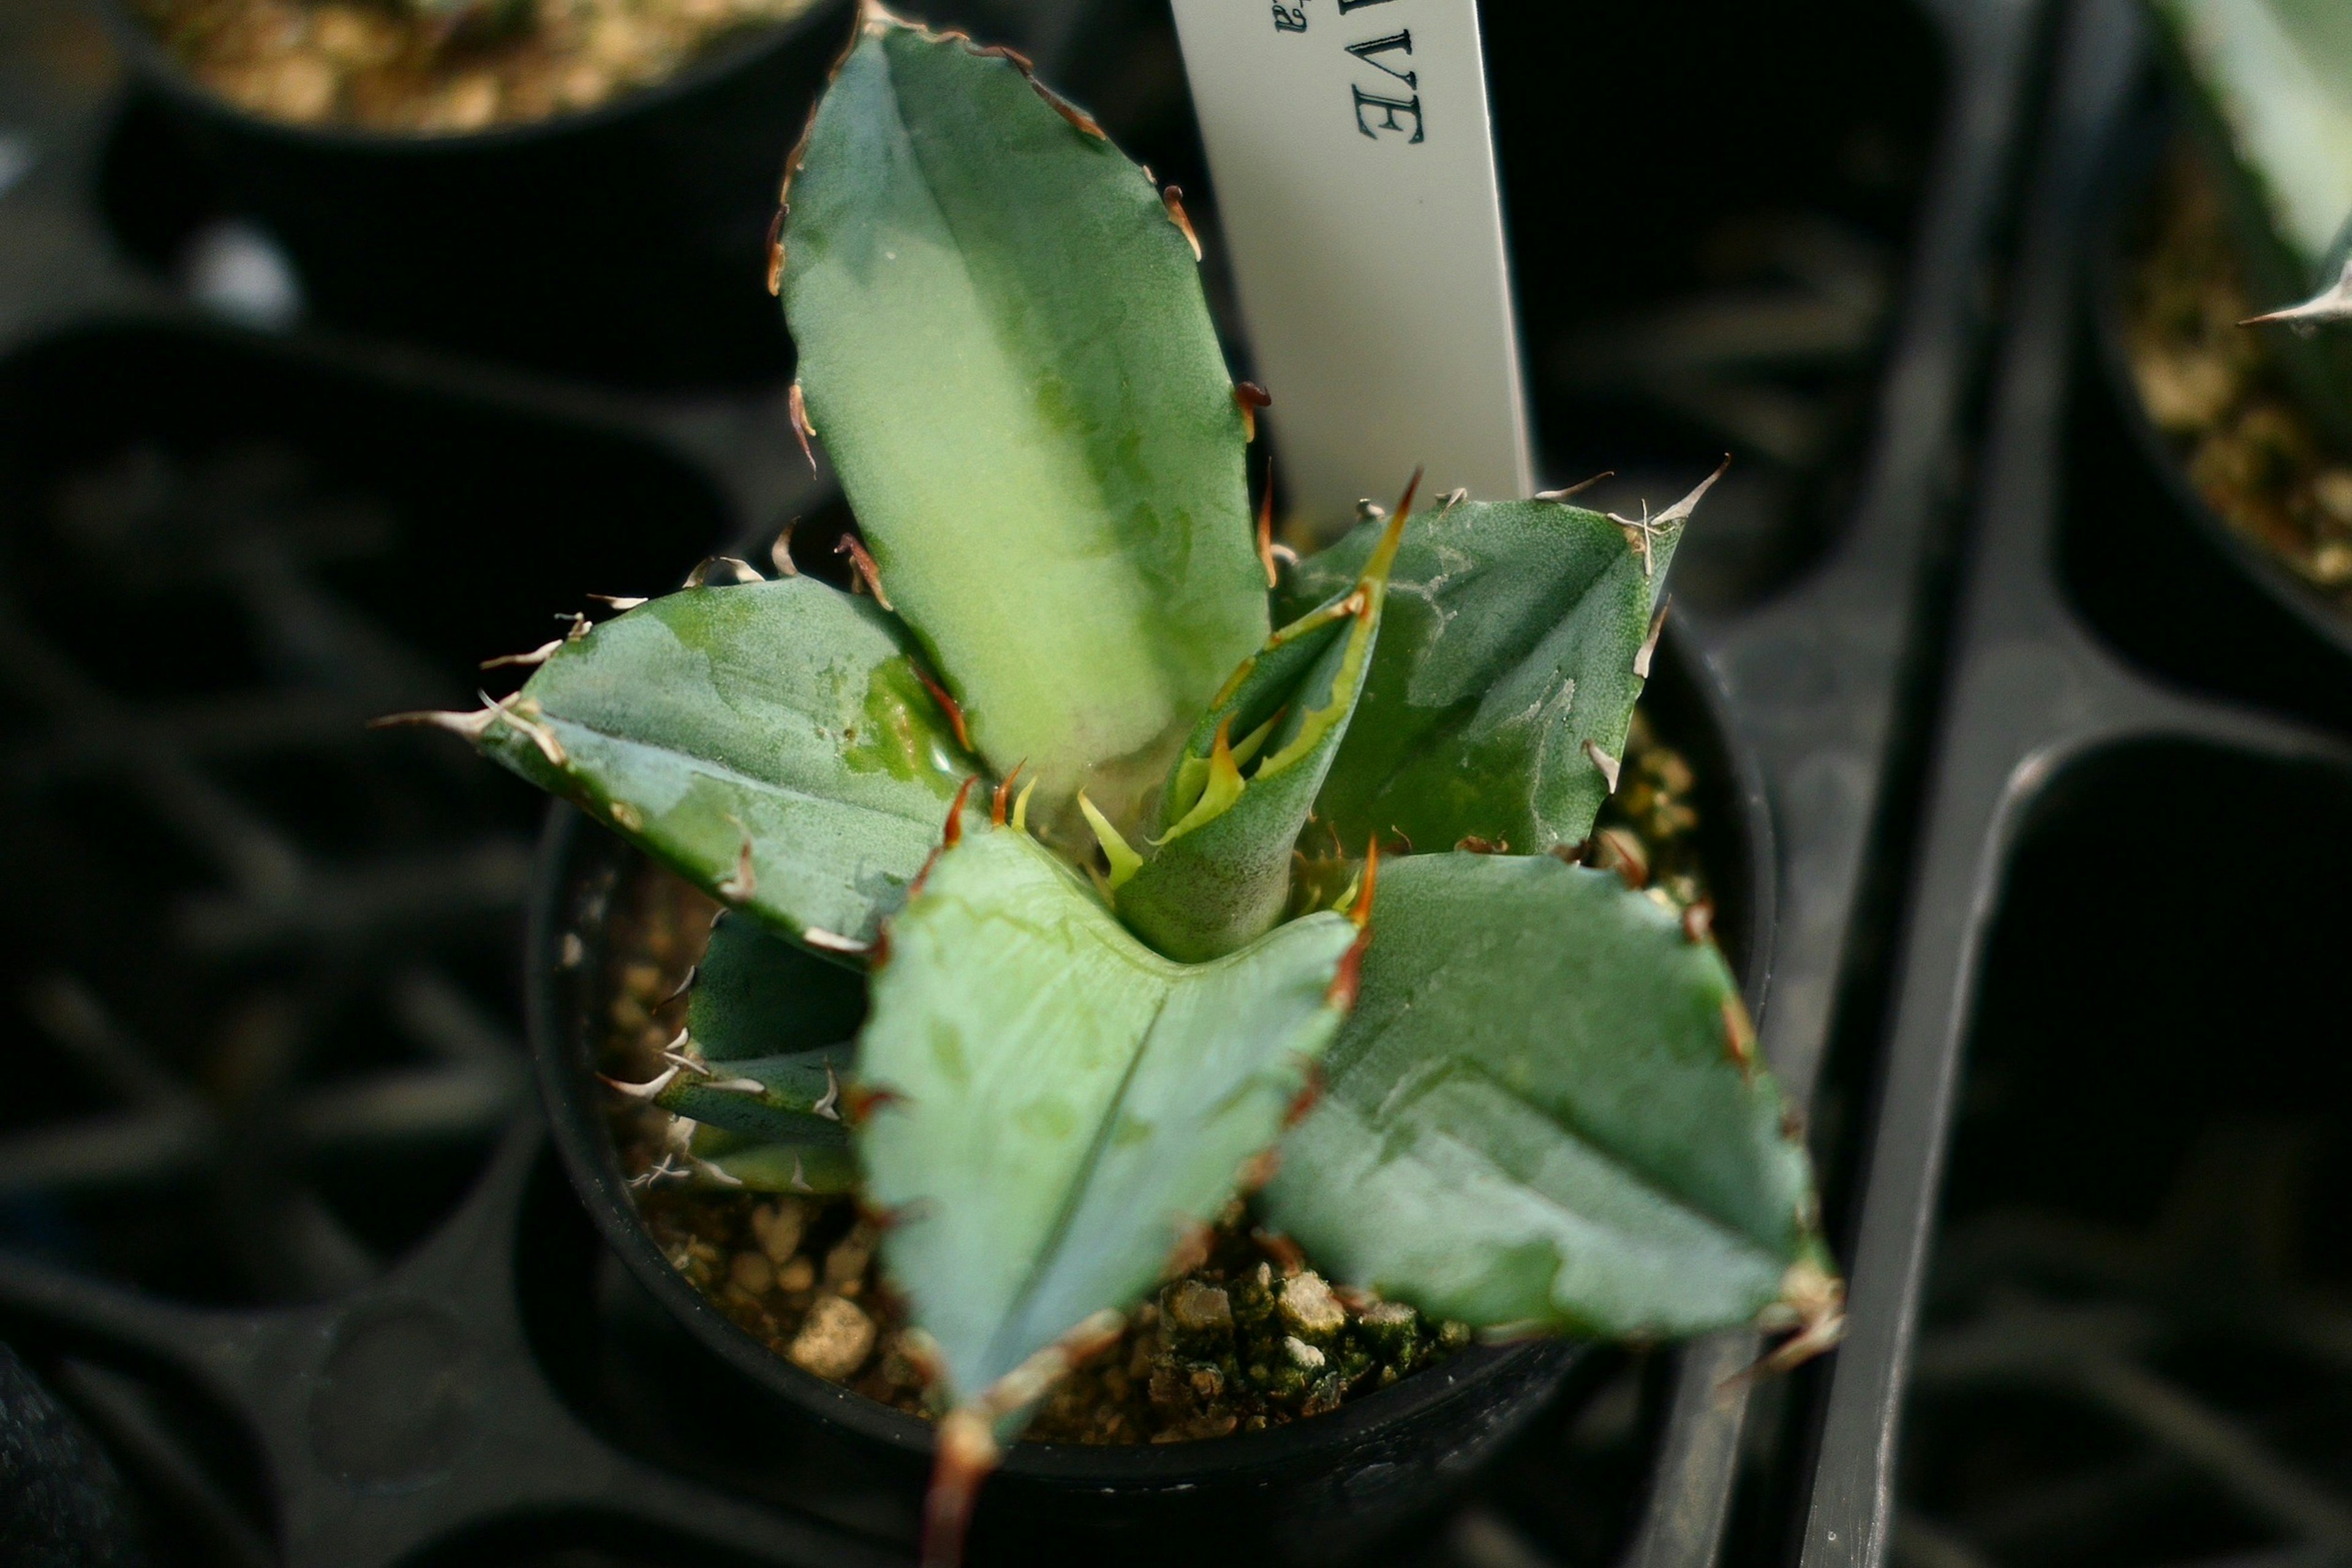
[[775, 1027], [2276, 78], [756, 994], [1534, 1116], [1065, 1097], [792, 1097], [786, 715], [1221, 876], [1508, 643], [765, 1162], [1004, 347]]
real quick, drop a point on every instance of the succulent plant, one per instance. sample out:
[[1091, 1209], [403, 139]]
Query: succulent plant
[[1060, 855]]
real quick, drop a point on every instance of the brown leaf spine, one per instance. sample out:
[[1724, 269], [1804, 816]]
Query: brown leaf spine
[[1001, 799], [796, 404], [952, 835], [948, 705], [1259, 1170], [1576, 488], [1172, 198], [1309, 1095], [866, 571], [536, 657], [1249, 397], [860, 1101], [1738, 1034], [1650, 643]]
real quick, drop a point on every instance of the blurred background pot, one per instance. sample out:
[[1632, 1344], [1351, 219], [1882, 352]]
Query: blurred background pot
[[624, 243]]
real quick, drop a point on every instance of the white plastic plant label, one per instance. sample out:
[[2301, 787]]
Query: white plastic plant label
[[1355, 179]]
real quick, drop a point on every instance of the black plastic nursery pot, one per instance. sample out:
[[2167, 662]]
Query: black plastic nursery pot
[[625, 243], [2275, 637], [1319, 1489]]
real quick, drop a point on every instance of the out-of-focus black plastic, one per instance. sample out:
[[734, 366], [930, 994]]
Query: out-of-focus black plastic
[[61, 1503]]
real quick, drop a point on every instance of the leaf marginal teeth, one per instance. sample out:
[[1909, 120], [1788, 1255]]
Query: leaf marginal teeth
[[1576, 488], [796, 406], [940, 693], [647, 1089], [833, 942], [1001, 799], [537, 656], [1172, 198], [1608, 764], [867, 573], [1650, 644]]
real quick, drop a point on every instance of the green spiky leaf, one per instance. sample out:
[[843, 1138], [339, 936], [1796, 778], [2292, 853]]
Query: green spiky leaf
[[1064, 1098], [1507, 659], [773, 1123], [792, 1096], [1536, 1115], [786, 716], [1248, 775], [1004, 347]]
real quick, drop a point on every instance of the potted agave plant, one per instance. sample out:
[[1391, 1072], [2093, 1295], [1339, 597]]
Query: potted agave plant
[[1148, 866], [2246, 393]]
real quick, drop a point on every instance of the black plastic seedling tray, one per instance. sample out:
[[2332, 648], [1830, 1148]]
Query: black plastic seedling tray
[[502, 1392], [2081, 990]]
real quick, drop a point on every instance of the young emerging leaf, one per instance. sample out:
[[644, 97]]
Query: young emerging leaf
[[1004, 347], [1063, 1100], [1232, 812], [1506, 675], [1545, 1110], [773, 741]]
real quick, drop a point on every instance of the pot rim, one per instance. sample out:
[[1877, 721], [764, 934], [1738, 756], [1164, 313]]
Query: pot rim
[[2134, 140], [157, 67], [593, 1166]]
